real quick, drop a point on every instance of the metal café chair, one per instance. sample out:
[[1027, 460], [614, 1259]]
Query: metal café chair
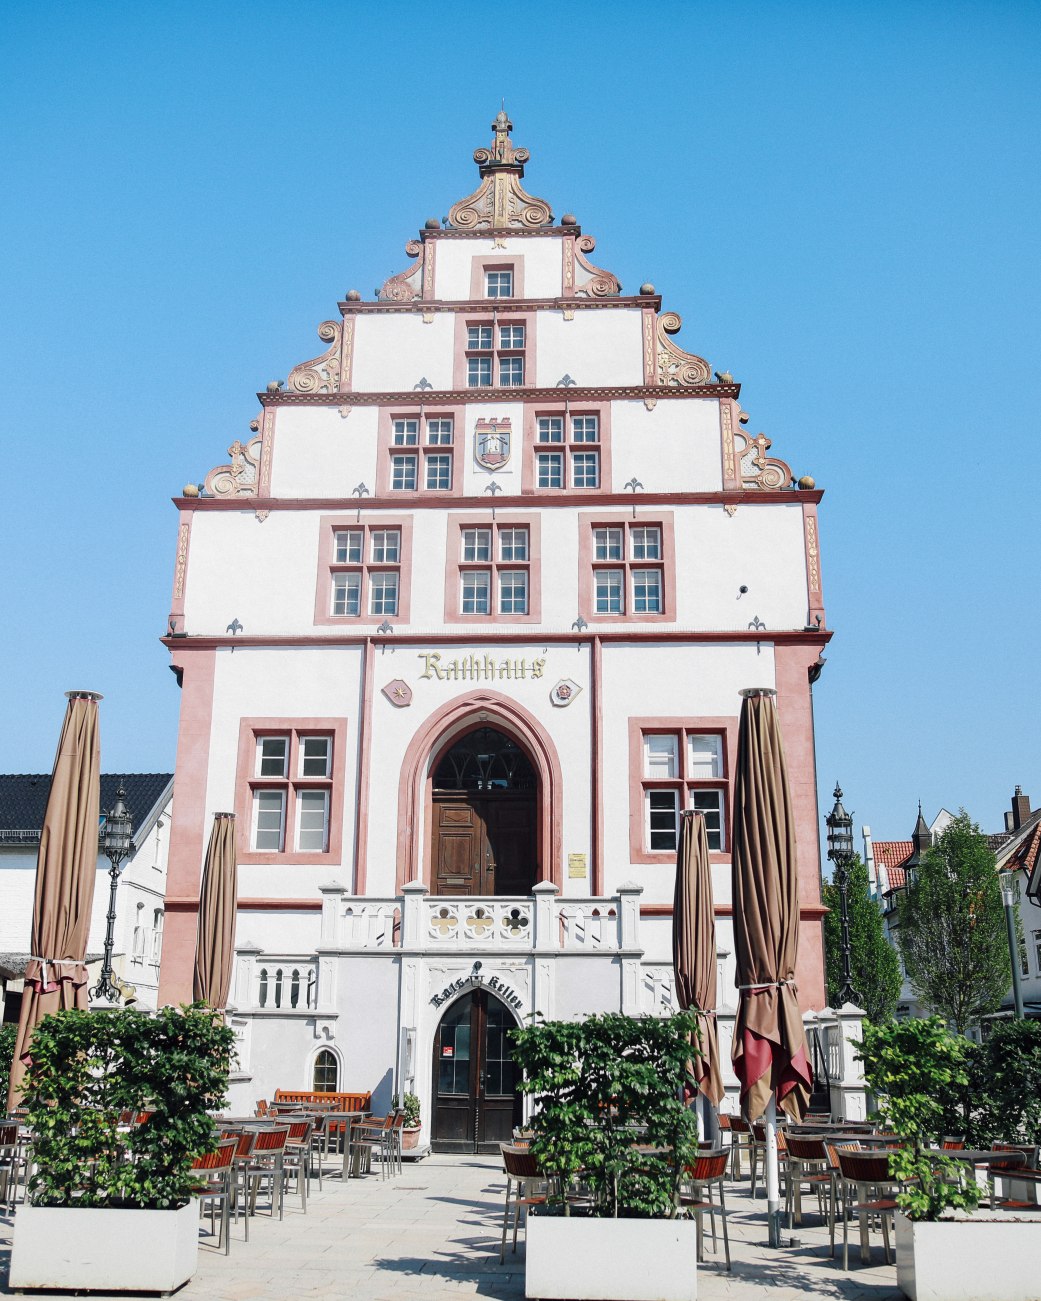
[[245, 1141], [297, 1157], [708, 1169], [267, 1163], [522, 1178], [13, 1161], [216, 1169], [740, 1141]]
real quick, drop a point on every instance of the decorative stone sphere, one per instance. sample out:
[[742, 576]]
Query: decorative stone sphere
[[647, 288], [725, 377], [569, 219], [273, 386], [807, 481], [353, 296], [190, 490], [255, 425], [432, 223]]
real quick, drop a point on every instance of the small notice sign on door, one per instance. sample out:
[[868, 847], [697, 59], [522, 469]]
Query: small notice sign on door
[[576, 866], [447, 1050]]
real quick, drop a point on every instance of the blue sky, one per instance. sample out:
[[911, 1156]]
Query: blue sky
[[841, 202]]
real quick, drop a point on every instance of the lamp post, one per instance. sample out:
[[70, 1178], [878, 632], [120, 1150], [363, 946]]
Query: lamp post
[[1008, 897], [116, 840], [840, 851]]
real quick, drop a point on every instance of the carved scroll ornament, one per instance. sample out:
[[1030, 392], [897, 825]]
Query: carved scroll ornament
[[676, 368], [239, 478], [321, 374], [408, 284], [757, 469], [500, 200], [601, 283]]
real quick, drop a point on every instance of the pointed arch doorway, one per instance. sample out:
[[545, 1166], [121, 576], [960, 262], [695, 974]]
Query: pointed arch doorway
[[476, 1102], [484, 797]]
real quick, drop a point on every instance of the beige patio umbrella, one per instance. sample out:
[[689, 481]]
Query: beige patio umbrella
[[769, 1050], [218, 899], [56, 974], [694, 948]]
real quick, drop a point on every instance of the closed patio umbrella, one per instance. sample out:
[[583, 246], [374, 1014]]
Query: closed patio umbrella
[[218, 898], [56, 974], [694, 948], [769, 1050]]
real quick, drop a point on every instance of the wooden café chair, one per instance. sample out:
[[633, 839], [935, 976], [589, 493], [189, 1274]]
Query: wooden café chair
[[216, 1184], [523, 1178], [708, 1169], [868, 1189]]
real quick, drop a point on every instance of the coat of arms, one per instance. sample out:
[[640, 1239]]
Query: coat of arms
[[398, 693], [492, 445]]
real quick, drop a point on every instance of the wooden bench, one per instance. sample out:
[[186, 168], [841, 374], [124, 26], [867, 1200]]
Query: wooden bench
[[344, 1102]]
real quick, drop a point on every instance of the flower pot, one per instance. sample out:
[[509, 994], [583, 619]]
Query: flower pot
[[990, 1254], [610, 1260], [410, 1137], [104, 1249]]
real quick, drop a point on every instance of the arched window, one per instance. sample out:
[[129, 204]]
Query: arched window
[[326, 1070], [485, 760]]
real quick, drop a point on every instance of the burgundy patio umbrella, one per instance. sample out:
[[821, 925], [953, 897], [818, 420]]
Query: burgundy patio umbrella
[[769, 1050], [56, 973], [694, 948], [218, 899]]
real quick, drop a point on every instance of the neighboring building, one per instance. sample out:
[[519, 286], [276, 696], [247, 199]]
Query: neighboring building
[[1017, 850], [460, 628], [139, 904]]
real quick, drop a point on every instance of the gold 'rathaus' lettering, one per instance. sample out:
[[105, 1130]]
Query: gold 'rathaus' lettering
[[472, 668]]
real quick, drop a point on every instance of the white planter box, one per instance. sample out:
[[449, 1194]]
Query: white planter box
[[610, 1260], [992, 1254], [104, 1250]]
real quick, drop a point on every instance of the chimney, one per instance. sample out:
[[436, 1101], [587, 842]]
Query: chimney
[[1020, 810]]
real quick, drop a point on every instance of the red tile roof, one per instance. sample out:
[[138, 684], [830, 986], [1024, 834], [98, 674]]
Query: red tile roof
[[892, 855]]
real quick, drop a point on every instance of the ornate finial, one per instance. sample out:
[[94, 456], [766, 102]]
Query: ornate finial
[[500, 201]]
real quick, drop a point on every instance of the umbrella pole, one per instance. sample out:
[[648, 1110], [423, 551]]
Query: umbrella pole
[[773, 1191]]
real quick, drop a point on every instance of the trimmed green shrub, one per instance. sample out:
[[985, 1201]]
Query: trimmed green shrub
[[601, 1083], [90, 1067], [8, 1035]]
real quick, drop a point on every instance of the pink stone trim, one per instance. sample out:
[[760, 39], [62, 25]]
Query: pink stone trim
[[567, 277], [361, 813], [414, 792], [454, 565], [650, 347], [188, 826], [175, 621], [267, 453], [587, 521], [814, 589], [503, 262], [246, 782], [595, 782], [327, 566], [422, 412], [641, 727], [566, 409], [729, 419], [350, 325], [429, 277]]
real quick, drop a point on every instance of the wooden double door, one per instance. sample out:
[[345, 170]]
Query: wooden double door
[[484, 843], [476, 1099]]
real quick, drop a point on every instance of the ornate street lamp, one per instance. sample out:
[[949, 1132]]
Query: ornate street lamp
[[840, 851], [116, 843]]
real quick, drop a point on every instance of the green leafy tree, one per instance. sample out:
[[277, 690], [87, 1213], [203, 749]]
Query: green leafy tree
[[873, 961], [952, 928], [916, 1069], [8, 1034]]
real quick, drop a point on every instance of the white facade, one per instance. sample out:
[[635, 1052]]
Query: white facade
[[503, 509]]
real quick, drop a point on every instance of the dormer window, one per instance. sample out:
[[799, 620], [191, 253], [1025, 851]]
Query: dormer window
[[498, 284]]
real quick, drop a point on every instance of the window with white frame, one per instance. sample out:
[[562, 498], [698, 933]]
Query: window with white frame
[[495, 355], [291, 791], [494, 569], [577, 463], [628, 569], [681, 769], [1037, 950], [420, 455], [138, 943], [365, 574], [158, 916], [499, 283]]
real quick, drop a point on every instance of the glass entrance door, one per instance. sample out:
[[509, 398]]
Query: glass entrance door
[[476, 1100]]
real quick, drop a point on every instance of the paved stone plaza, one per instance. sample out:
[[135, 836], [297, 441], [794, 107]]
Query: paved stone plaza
[[434, 1232]]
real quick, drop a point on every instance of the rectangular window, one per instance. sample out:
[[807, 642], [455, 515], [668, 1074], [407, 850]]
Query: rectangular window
[[479, 372], [347, 548], [383, 593], [511, 337], [439, 472], [585, 429], [479, 338], [477, 544], [269, 809], [585, 469], [513, 544], [157, 935], [498, 284], [386, 546], [550, 429], [1037, 949], [312, 821], [347, 593], [403, 473], [513, 591], [272, 756], [646, 591], [607, 544], [609, 591], [550, 466], [405, 433], [439, 432], [646, 543], [315, 756], [662, 820], [511, 372], [682, 768], [476, 584]]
